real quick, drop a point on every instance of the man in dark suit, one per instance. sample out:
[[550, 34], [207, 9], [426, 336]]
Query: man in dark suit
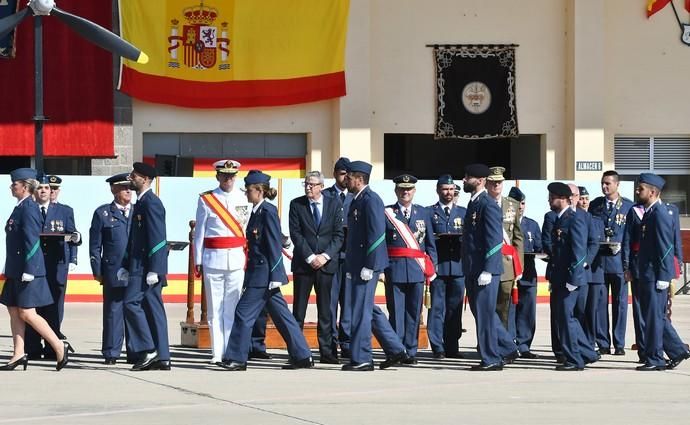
[[108, 237], [145, 267], [444, 323], [60, 258], [567, 275], [316, 230], [339, 290], [483, 265]]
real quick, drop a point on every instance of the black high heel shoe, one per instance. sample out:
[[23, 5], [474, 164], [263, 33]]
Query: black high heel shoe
[[24, 361], [69, 346], [65, 356]]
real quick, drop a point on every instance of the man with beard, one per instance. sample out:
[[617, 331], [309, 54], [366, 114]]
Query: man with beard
[[482, 265]]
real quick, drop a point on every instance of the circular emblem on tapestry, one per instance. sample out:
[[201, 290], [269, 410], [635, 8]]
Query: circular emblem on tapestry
[[476, 97]]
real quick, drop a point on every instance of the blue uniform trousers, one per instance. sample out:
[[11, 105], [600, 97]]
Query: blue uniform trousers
[[259, 332], [574, 344], [384, 333], [581, 306], [113, 321], [404, 302], [145, 317], [251, 304], [619, 309], [494, 340], [653, 307], [553, 319], [638, 320], [526, 316], [340, 295], [444, 322], [595, 292]]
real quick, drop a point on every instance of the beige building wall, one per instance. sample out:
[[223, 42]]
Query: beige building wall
[[587, 70]]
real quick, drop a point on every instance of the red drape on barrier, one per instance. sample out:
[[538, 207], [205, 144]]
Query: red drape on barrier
[[78, 93]]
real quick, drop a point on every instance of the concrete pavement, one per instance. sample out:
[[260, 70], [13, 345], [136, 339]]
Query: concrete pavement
[[439, 392]]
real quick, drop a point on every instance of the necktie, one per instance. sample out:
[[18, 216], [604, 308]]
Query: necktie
[[316, 214], [125, 212], [447, 211], [43, 212], [609, 206], [342, 197]]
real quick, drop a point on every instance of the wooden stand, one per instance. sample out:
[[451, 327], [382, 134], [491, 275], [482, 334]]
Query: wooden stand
[[194, 334]]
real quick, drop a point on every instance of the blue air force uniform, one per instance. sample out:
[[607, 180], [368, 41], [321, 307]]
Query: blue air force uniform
[[596, 290], [482, 242], [526, 309], [147, 252], [444, 325], [404, 277], [546, 229], [108, 237], [613, 215], [23, 254], [264, 268]]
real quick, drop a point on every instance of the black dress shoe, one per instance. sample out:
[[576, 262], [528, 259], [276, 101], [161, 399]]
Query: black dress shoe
[[146, 362], [409, 361], [568, 367], [160, 365], [440, 355], [234, 366], [393, 360], [529, 355], [649, 368], [510, 358], [110, 361], [260, 355], [619, 352], [307, 363], [328, 359], [483, 367], [361, 367], [603, 351], [22, 361], [673, 363]]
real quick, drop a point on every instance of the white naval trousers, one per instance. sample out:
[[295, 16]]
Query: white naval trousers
[[223, 289]]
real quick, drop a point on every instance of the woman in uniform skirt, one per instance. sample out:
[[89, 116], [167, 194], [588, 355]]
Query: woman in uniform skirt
[[26, 286]]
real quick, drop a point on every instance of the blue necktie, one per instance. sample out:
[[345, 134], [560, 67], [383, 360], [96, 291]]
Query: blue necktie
[[316, 214]]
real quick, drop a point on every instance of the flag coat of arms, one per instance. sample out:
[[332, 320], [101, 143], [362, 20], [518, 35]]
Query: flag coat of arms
[[235, 53]]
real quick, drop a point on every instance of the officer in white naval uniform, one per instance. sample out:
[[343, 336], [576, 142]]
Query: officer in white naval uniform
[[219, 241]]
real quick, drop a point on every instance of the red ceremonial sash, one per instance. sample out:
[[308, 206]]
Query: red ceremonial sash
[[509, 249], [413, 250]]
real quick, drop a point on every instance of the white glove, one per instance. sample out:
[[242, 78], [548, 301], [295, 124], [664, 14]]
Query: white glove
[[72, 267], [366, 274], [122, 274], [615, 249], [75, 237], [26, 277], [274, 285], [151, 278], [484, 279], [570, 287], [661, 285]]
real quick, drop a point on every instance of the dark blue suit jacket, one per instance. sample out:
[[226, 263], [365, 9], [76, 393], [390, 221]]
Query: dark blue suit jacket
[[482, 238], [569, 248], [58, 253], [449, 249], [402, 269], [615, 221], [595, 268], [22, 241], [345, 207], [265, 255], [532, 244], [108, 237], [308, 239], [147, 250], [366, 235], [655, 259]]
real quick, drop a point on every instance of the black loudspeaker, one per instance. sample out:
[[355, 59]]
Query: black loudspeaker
[[174, 166]]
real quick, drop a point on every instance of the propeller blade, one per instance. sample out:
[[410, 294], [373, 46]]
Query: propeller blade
[[8, 23], [100, 36]]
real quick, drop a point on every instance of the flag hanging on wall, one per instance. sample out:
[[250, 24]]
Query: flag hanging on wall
[[475, 92], [7, 8], [235, 53]]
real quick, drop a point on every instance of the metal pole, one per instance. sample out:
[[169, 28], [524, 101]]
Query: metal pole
[[38, 118]]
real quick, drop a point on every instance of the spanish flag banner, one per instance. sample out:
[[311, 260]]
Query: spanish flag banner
[[235, 53], [654, 6]]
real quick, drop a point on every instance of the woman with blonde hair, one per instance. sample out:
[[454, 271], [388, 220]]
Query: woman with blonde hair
[[26, 286]]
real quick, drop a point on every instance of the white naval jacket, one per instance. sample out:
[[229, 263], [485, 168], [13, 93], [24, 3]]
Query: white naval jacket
[[208, 224]]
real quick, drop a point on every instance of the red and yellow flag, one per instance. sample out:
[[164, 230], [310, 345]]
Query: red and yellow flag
[[654, 6], [235, 53]]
